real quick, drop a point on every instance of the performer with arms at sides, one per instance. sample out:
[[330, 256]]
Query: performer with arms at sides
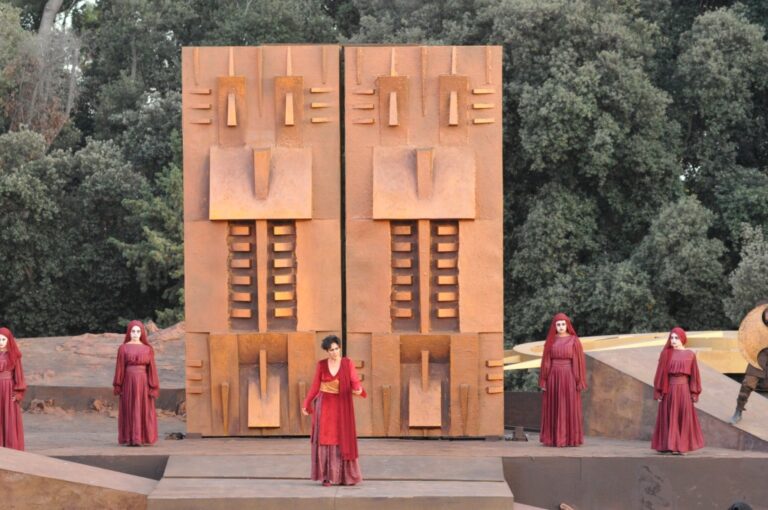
[[334, 438], [677, 386], [12, 388], [138, 386], [562, 379]]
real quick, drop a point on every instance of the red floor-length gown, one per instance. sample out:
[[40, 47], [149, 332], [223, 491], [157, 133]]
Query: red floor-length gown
[[137, 384], [332, 429], [677, 425], [12, 388], [563, 378]]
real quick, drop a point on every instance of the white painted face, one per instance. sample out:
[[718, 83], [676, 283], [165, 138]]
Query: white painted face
[[135, 334], [561, 327], [675, 341], [3, 342], [334, 352]]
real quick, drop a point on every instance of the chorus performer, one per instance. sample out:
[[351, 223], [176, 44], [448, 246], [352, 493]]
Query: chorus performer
[[562, 379]]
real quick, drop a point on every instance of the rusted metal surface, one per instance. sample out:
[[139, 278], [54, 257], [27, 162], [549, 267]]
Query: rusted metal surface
[[262, 231], [424, 237]]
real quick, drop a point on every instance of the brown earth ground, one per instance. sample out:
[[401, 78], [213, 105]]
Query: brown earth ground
[[89, 360]]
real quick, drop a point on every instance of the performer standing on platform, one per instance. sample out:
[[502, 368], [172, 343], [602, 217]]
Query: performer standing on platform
[[562, 378], [334, 437], [12, 388], [677, 386], [138, 386], [753, 338]]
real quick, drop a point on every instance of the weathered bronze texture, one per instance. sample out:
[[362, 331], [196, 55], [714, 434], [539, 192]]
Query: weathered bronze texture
[[423, 235], [424, 238], [262, 232]]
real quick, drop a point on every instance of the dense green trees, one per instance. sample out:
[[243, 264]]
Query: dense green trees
[[61, 272], [748, 289], [635, 148]]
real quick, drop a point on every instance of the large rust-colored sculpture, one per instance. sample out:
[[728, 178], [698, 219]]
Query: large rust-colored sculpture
[[423, 235], [424, 238], [262, 232]]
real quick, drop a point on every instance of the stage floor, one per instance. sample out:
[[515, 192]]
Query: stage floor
[[398, 473], [404, 473], [96, 434]]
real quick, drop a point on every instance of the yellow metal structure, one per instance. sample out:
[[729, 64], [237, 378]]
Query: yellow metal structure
[[718, 349]]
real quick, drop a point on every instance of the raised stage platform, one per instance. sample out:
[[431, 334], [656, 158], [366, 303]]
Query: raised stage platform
[[402, 474], [620, 401], [246, 473], [73, 460]]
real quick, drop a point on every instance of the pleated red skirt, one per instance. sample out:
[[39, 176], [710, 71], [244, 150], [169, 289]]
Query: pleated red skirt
[[677, 425], [137, 419], [11, 427], [561, 421], [327, 463]]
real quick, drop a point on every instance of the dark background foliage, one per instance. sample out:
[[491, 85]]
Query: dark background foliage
[[635, 149]]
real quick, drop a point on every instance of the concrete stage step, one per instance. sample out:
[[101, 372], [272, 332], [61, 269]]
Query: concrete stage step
[[619, 402], [296, 467], [226, 493], [699, 481], [28, 480], [281, 481]]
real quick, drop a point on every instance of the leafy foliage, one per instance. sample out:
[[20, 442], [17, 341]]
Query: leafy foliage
[[60, 275], [688, 275], [157, 254], [749, 281], [13, 39], [635, 149]]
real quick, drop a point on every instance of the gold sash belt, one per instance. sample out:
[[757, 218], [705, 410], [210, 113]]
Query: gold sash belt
[[330, 387]]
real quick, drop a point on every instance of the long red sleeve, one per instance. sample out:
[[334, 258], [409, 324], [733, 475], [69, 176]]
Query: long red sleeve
[[546, 362], [695, 380], [19, 385], [660, 377], [347, 428], [152, 380], [355, 380], [314, 389], [579, 365], [117, 382]]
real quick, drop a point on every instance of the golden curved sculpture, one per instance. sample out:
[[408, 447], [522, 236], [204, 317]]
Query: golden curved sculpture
[[718, 349], [753, 335]]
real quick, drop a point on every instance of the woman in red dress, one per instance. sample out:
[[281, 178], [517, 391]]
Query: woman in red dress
[[334, 438], [562, 378], [12, 388], [138, 386], [677, 386]]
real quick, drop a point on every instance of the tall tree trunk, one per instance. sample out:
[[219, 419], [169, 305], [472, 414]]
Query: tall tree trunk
[[50, 11]]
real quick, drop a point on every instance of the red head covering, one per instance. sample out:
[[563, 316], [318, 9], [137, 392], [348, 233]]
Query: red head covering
[[143, 333], [661, 381], [552, 333], [14, 354], [680, 334], [547, 356]]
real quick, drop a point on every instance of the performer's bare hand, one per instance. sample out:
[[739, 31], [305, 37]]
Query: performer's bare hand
[[357, 392], [304, 412]]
